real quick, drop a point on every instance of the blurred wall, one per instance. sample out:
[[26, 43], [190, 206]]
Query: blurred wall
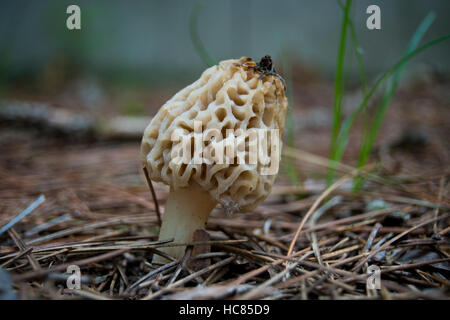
[[151, 39]]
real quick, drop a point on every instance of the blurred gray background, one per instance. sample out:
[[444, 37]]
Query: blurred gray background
[[150, 40]]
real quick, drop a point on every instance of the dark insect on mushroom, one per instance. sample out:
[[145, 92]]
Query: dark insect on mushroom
[[265, 67]]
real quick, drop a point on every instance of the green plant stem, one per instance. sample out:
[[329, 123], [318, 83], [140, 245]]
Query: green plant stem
[[358, 51], [343, 134], [196, 41], [291, 168], [369, 139], [338, 87]]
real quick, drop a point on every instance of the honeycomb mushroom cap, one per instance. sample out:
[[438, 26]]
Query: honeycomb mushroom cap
[[230, 95]]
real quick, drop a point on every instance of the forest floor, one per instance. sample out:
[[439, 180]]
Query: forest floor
[[99, 214]]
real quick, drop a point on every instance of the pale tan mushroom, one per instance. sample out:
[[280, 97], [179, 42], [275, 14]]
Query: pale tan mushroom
[[235, 94]]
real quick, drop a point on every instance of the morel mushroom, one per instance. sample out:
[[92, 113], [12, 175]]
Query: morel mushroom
[[238, 95]]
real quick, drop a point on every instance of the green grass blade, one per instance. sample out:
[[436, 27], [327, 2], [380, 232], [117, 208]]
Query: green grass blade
[[338, 87], [290, 167], [369, 140], [197, 42], [358, 51], [343, 134], [362, 72]]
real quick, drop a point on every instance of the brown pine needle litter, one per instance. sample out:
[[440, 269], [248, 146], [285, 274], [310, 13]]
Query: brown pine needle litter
[[303, 242]]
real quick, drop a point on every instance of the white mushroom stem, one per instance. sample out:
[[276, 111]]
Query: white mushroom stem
[[187, 209]]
